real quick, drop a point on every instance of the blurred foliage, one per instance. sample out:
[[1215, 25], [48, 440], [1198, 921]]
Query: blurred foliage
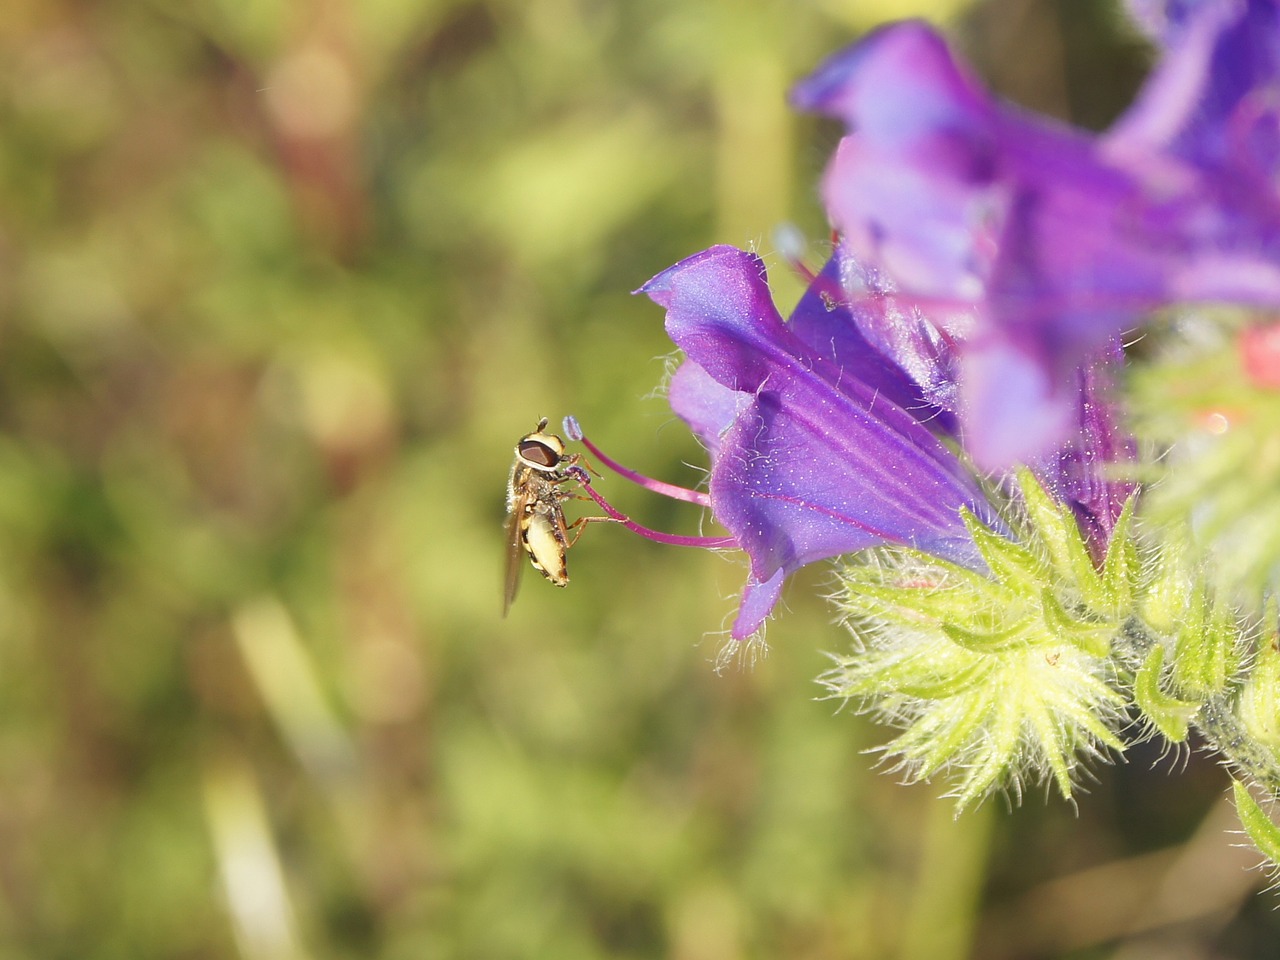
[[281, 284]]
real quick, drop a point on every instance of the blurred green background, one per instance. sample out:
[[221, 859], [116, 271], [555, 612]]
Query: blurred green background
[[281, 283]]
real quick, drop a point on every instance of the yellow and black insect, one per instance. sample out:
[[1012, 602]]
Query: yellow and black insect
[[536, 494]]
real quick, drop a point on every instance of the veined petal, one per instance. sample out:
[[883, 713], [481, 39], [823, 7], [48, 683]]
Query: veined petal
[[818, 462], [1172, 95], [802, 476], [1213, 99], [1059, 240], [720, 313], [1008, 395], [914, 188], [706, 405], [1081, 474], [758, 601], [846, 318]]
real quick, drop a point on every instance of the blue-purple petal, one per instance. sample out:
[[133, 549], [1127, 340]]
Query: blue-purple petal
[[1060, 240], [758, 601], [706, 405], [846, 317], [818, 462], [1212, 100], [1087, 472], [1162, 19]]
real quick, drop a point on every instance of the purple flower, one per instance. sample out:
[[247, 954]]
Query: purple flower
[[1160, 17], [1056, 239], [1080, 473], [835, 431], [820, 444]]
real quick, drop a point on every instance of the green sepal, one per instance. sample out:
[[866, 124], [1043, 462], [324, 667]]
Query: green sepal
[[1163, 602], [935, 743], [1102, 733], [1169, 715], [1004, 735], [1204, 655], [1180, 603], [1261, 829], [1055, 527], [1011, 563], [1000, 675], [1056, 756], [1122, 568], [995, 640], [1259, 705], [880, 592], [1093, 637], [907, 677]]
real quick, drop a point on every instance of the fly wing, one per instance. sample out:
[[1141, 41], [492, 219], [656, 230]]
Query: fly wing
[[513, 548], [515, 561]]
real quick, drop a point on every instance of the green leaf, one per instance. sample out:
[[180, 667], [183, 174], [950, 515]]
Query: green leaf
[[995, 640], [995, 758], [1260, 696], [1261, 830], [1204, 655], [1049, 734], [1168, 714], [1011, 563], [1056, 529], [1121, 569], [1091, 637]]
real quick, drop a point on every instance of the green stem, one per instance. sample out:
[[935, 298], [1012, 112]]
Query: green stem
[[1218, 722]]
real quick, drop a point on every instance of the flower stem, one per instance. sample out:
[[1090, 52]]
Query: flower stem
[[1218, 722]]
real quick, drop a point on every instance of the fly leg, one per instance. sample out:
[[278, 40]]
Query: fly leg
[[580, 524]]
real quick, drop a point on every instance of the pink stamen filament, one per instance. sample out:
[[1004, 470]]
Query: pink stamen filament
[[712, 543], [802, 270], [574, 430]]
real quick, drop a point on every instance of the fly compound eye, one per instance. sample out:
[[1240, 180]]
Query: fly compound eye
[[538, 453]]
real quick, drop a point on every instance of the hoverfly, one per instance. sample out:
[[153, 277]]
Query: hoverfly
[[535, 514]]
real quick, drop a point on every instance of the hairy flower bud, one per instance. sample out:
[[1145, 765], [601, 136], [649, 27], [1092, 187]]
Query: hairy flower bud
[[1001, 678]]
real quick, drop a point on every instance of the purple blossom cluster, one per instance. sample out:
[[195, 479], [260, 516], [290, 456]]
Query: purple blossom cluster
[[987, 263], [1058, 239]]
